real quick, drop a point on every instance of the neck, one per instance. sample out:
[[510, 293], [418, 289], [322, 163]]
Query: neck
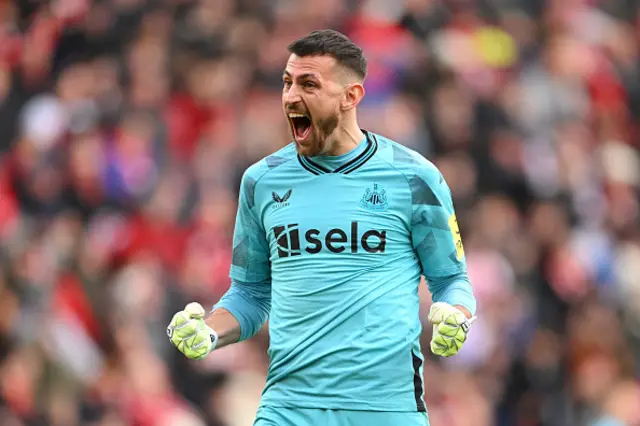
[[345, 139]]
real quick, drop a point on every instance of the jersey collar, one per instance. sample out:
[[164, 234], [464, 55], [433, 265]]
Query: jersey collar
[[351, 165]]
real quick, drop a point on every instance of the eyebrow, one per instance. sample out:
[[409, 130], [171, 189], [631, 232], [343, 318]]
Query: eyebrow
[[301, 76]]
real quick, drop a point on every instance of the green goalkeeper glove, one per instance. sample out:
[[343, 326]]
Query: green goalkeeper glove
[[189, 333], [450, 329]]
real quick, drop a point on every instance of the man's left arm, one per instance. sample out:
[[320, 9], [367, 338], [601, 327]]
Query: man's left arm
[[437, 242]]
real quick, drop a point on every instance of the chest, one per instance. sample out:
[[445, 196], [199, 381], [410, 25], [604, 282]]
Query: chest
[[335, 214]]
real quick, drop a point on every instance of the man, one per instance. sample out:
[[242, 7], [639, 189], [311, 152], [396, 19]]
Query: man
[[332, 235]]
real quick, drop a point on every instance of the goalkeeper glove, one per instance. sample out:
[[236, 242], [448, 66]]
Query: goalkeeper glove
[[450, 328], [189, 333]]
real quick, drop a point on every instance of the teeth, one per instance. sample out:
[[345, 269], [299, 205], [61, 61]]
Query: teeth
[[296, 115]]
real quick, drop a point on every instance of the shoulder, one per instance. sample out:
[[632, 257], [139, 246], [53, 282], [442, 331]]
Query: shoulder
[[270, 163], [407, 161], [265, 166], [425, 181]]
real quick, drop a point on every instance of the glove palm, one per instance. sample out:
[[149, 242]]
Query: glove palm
[[450, 329]]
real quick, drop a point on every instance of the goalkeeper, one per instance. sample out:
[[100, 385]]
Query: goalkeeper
[[332, 235]]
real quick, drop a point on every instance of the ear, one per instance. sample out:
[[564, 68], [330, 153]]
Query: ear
[[353, 94]]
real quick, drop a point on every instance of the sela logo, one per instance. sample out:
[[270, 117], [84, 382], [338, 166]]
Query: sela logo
[[336, 240], [281, 201]]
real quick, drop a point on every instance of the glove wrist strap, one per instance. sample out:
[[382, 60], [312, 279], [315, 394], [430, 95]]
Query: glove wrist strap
[[214, 338]]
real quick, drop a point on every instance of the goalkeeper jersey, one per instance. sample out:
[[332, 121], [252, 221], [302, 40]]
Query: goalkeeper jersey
[[338, 245]]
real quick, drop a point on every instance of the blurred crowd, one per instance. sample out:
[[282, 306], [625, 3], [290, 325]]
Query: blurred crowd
[[125, 126]]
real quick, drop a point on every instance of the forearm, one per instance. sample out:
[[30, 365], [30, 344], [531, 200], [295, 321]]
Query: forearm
[[241, 312], [225, 325], [454, 290]]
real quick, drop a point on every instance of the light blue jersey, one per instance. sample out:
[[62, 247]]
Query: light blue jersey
[[331, 249]]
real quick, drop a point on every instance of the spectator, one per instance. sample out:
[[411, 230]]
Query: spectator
[[125, 127]]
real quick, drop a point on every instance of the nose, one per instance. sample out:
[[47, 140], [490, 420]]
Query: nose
[[291, 97]]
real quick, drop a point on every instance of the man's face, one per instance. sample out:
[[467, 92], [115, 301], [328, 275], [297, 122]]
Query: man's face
[[311, 97]]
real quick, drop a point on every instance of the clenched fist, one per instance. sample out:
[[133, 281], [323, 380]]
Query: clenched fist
[[450, 328], [189, 333]]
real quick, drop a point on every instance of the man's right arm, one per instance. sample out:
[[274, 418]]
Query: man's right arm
[[245, 307]]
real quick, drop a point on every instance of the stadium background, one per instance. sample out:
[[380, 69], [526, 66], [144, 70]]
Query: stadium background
[[125, 126]]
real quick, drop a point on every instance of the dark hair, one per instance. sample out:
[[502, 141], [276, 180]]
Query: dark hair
[[332, 43]]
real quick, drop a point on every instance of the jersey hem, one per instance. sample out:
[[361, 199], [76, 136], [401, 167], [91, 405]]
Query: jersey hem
[[345, 405]]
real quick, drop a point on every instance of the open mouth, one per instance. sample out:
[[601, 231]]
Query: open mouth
[[301, 125]]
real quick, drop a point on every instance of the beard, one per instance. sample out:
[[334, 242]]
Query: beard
[[317, 142]]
